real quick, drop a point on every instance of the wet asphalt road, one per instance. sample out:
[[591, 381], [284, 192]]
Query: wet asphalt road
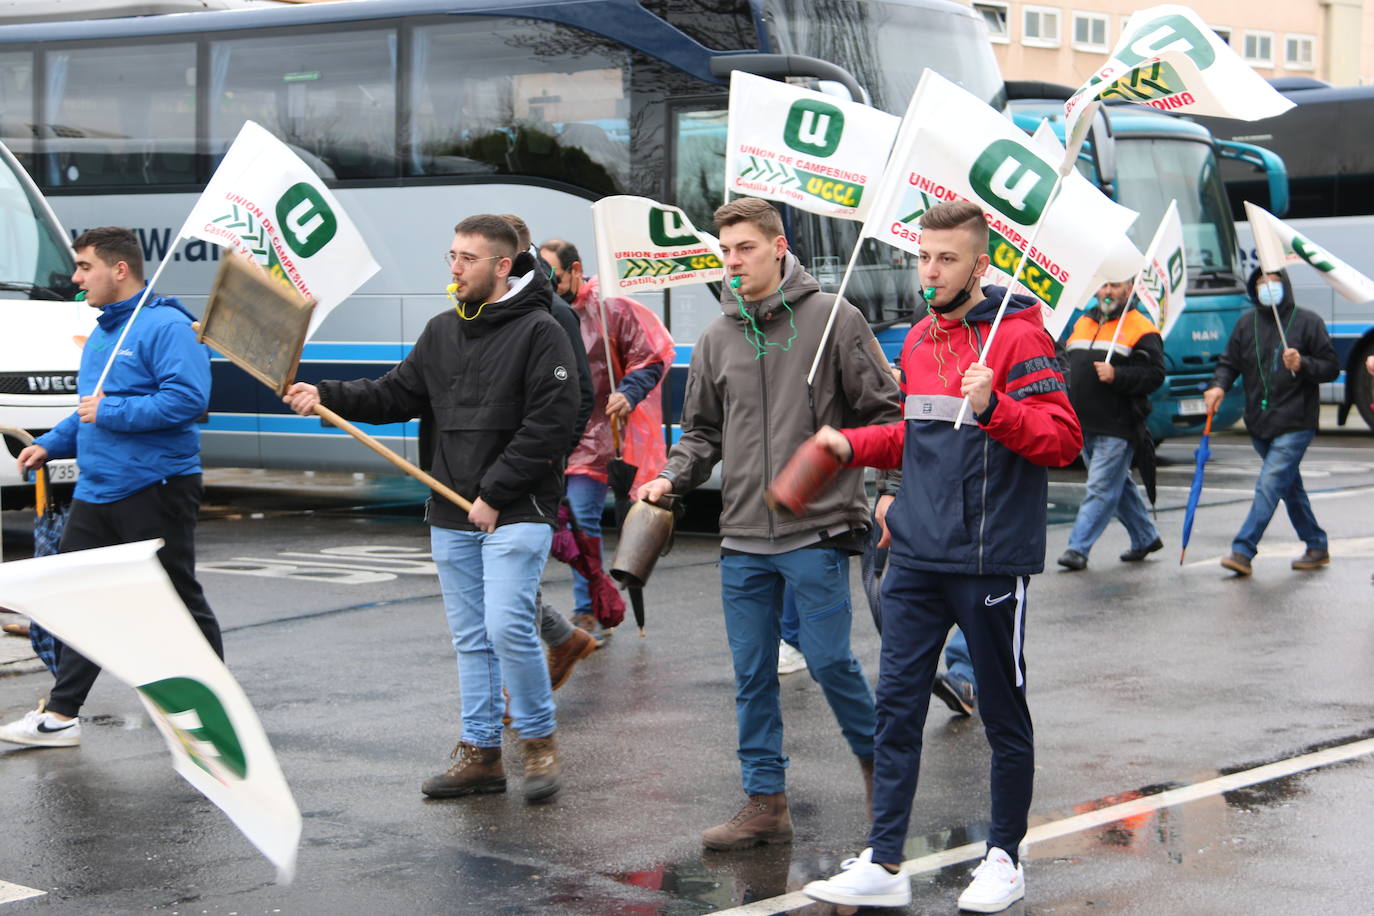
[[1142, 678]]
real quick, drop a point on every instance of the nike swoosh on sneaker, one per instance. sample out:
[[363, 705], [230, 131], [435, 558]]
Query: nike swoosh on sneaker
[[43, 727], [990, 601]]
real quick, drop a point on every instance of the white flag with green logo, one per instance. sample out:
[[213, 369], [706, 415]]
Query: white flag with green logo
[[1279, 245], [266, 203], [116, 606], [1169, 59], [1163, 283], [642, 244], [804, 148], [991, 162]]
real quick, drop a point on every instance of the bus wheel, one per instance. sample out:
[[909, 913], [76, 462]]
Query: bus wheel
[[1362, 385]]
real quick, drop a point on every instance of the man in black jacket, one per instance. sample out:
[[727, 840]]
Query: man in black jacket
[[495, 378], [1116, 359], [1281, 404]]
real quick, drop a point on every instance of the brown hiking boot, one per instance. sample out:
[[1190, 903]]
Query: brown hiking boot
[[866, 766], [763, 819], [1312, 559], [571, 651], [477, 771], [541, 767], [1237, 564], [588, 624]]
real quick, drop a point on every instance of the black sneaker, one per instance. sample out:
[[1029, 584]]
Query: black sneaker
[[1135, 555], [1072, 559], [957, 695]]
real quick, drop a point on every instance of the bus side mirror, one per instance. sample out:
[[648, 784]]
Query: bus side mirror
[[1103, 147], [1264, 160]]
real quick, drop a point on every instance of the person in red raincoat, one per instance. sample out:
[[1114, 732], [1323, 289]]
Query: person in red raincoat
[[629, 352]]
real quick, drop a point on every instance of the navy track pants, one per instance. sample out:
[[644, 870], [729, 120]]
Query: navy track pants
[[918, 608]]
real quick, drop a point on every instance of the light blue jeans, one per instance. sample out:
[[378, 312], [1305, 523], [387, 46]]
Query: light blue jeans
[[1279, 479], [587, 500], [489, 583], [752, 595], [958, 662], [1111, 492]]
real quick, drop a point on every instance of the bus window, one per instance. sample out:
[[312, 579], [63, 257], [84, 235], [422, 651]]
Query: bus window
[[332, 97], [1150, 173], [699, 162], [16, 105], [887, 45], [120, 115], [520, 97]]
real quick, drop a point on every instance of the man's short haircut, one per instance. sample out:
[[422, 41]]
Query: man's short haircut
[[522, 230], [762, 215], [494, 229], [565, 252], [113, 244], [959, 214]]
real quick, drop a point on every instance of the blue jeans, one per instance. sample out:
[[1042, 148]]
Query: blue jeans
[[958, 662], [1111, 492], [752, 595], [489, 583], [1279, 479], [791, 623], [587, 500]]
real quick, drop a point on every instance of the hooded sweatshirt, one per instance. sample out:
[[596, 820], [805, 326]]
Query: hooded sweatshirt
[[159, 385], [499, 393], [746, 405], [1277, 401], [973, 500]]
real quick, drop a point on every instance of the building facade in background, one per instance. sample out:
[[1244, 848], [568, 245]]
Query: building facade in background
[[1330, 40]]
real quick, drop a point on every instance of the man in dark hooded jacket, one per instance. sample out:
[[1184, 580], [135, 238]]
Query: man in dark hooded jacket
[[1282, 399], [495, 379]]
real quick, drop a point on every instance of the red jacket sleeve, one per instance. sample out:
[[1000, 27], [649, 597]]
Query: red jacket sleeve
[[877, 446], [1032, 416]]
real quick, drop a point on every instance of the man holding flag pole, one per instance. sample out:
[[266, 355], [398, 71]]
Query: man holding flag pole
[[134, 433], [968, 531]]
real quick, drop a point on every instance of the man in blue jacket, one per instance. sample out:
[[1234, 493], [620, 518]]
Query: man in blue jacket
[[138, 447]]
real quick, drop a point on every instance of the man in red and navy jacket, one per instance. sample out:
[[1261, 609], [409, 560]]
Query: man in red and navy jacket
[[967, 532]]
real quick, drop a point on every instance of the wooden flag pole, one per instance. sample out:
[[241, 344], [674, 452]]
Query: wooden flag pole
[[371, 442]]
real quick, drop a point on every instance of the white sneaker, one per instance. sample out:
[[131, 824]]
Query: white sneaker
[[996, 884], [790, 660], [40, 728], [862, 883]]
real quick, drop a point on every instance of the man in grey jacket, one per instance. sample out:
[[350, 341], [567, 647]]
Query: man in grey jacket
[[746, 405]]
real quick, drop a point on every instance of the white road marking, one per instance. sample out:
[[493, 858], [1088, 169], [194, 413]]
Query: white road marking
[[9, 893], [1099, 818]]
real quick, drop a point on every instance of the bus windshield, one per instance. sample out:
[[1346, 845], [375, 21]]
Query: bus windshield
[[35, 262], [1153, 171], [886, 45]]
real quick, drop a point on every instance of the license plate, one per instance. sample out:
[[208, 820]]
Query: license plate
[[63, 472], [1192, 407]]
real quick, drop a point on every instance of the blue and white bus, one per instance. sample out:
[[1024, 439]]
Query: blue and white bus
[[42, 328], [419, 112], [1324, 143]]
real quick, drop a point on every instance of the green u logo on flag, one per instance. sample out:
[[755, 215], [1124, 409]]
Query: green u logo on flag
[[199, 720], [307, 224], [667, 229], [813, 127], [1012, 180]]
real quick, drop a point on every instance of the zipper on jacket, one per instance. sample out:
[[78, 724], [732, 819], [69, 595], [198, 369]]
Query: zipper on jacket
[[767, 434], [983, 509]]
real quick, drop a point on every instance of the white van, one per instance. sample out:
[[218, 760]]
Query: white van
[[42, 329]]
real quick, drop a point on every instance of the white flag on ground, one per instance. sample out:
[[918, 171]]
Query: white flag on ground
[[1169, 59], [1280, 245], [116, 606], [268, 205], [642, 244], [804, 148], [1163, 283], [988, 160]]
